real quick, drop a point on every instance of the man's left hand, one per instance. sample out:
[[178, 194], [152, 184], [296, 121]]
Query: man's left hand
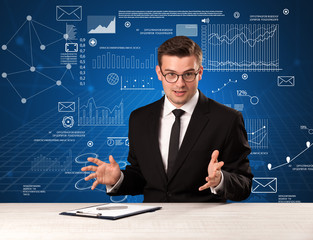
[[214, 172]]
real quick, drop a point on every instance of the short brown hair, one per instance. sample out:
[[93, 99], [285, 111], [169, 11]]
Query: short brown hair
[[180, 46]]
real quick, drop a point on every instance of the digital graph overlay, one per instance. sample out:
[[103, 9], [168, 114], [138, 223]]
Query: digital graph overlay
[[308, 129], [225, 85], [254, 100], [289, 159], [257, 131], [115, 61], [71, 31], [47, 164], [240, 47], [137, 83], [93, 115], [101, 24], [30, 26]]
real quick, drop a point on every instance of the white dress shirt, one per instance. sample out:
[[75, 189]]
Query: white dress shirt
[[166, 122]]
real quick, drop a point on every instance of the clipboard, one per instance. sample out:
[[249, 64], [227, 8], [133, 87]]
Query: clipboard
[[111, 211]]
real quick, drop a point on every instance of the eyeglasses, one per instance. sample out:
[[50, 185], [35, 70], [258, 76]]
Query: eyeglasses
[[173, 77]]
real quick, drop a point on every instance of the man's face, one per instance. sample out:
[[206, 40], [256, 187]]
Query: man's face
[[181, 91]]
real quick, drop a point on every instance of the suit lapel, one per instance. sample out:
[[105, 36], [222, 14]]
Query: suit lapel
[[154, 130], [198, 121]]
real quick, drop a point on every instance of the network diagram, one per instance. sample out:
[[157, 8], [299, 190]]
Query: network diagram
[[30, 24]]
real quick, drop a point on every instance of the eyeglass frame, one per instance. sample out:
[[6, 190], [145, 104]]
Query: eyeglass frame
[[178, 75]]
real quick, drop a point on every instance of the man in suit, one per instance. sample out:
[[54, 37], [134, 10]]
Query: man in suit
[[184, 147]]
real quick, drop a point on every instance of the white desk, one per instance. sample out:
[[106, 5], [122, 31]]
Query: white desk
[[174, 221]]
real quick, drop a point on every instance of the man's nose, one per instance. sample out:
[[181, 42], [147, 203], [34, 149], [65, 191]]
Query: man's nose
[[180, 81]]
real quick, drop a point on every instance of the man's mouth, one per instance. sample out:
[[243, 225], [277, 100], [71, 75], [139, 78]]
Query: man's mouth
[[179, 93]]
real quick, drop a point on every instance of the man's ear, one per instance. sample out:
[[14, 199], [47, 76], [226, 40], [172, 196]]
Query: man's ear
[[158, 72], [200, 72]]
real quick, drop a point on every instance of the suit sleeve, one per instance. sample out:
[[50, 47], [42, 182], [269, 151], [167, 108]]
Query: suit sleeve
[[134, 182], [236, 170]]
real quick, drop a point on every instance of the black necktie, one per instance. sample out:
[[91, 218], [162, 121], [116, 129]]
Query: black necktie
[[174, 140]]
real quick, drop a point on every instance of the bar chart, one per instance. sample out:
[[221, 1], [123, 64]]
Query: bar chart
[[111, 60], [49, 164]]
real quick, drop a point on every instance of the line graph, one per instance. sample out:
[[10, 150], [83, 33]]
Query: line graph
[[225, 85], [257, 131], [243, 47], [289, 159], [93, 115]]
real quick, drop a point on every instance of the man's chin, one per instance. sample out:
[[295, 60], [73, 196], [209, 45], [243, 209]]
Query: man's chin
[[178, 102]]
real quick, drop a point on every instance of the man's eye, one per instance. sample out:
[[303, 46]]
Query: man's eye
[[171, 74], [189, 74]]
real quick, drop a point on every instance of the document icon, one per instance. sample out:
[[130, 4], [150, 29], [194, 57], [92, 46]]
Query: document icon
[[264, 185], [69, 13], [66, 106], [286, 81]]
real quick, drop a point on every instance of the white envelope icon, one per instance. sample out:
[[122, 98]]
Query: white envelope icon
[[264, 185], [66, 106], [286, 81], [69, 13]]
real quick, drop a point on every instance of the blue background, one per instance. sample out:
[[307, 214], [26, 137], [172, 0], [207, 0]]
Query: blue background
[[28, 130]]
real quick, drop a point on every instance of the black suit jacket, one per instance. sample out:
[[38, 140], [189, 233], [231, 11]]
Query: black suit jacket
[[212, 126]]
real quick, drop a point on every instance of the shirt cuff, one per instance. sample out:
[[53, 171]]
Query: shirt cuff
[[220, 186], [114, 188]]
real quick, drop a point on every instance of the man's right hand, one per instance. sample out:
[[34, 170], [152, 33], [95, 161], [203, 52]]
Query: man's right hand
[[104, 173]]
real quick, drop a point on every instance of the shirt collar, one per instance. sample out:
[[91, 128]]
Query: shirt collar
[[187, 107]]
